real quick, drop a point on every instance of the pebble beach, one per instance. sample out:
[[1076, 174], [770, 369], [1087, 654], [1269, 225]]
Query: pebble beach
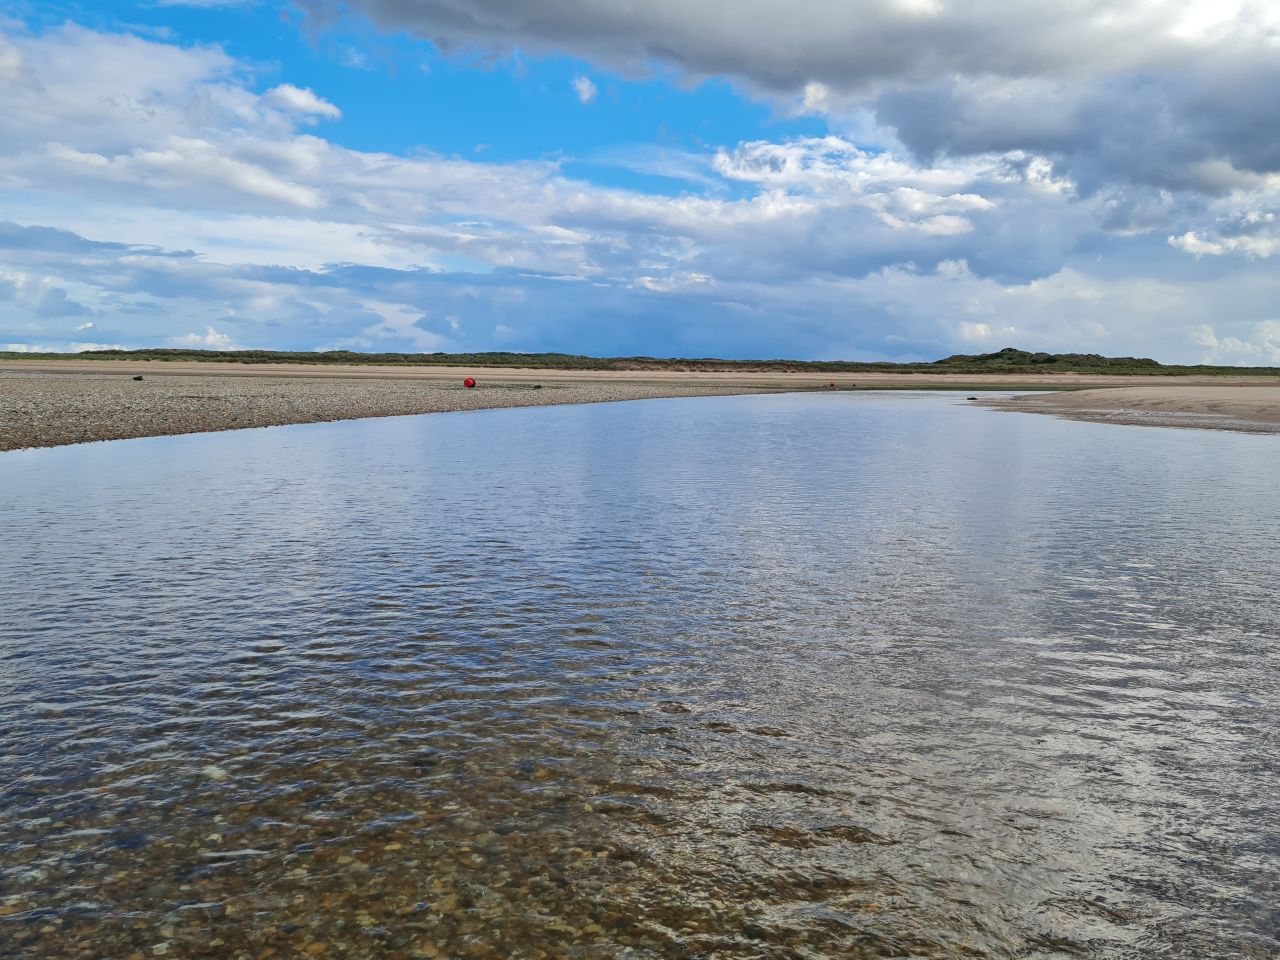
[[40, 409]]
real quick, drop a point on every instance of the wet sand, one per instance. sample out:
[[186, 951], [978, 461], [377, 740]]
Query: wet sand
[[47, 403], [1248, 407]]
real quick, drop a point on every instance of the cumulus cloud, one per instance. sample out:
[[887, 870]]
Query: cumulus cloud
[[585, 89], [1259, 345], [61, 347], [39, 295], [301, 101], [1256, 234], [844, 207], [211, 339], [1151, 94], [181, 205]]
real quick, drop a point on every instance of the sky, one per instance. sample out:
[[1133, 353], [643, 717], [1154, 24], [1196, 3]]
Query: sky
[[812, 179]]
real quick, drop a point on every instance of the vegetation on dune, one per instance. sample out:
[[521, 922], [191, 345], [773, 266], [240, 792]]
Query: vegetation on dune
[[1022, 360], [1007, 361]]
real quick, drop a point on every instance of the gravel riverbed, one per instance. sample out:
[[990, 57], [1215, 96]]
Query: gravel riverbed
[[40, 409]]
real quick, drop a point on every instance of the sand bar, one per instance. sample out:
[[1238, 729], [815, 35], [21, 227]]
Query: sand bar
[[40, 409], [1251, 407], [45, 403]]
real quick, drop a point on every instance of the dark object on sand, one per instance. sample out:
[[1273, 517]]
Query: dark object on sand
[[139, 377], [971, 398], [537, 386]]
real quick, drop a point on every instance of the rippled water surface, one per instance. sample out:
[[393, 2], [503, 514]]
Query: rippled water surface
[[770, 677]]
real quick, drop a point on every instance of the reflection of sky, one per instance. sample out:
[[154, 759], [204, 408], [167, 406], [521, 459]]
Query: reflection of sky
[[846, 493], [1052, 636]]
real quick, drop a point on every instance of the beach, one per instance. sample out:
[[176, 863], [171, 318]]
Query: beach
[[1250, 407], [51, 403], [61, 403]]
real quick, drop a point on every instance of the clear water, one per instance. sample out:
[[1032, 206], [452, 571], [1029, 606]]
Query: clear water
[[770, 677]]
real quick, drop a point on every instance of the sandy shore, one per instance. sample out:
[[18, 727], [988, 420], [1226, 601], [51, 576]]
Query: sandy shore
[[49, 403], [1250, 407]]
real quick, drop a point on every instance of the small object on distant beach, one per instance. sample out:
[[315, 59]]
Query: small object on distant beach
[[537, 386], [469, 382], [971, 398], [833, 384], [139, 377]]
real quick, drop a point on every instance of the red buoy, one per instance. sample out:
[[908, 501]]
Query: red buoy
[[469, 383]]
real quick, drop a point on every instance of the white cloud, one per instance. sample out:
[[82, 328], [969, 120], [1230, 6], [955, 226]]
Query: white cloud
[[186, 162], [62, 347], [585, 88], [401, 323], [1250, 245], [816, 98], [301, 100], [979, 332], [1194, 245], [954, 269], [87, 325], [1262, 348], [211, 339], [673, 282]]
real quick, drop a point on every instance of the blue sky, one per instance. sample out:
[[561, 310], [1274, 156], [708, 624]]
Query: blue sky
[[887, 178]]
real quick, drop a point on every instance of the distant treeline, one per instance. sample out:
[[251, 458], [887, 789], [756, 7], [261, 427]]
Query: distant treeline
[[1009, 361]]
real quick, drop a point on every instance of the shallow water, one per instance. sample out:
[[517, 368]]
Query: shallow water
[[770, 677]]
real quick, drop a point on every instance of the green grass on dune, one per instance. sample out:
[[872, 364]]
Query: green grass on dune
[[1003, 362]]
